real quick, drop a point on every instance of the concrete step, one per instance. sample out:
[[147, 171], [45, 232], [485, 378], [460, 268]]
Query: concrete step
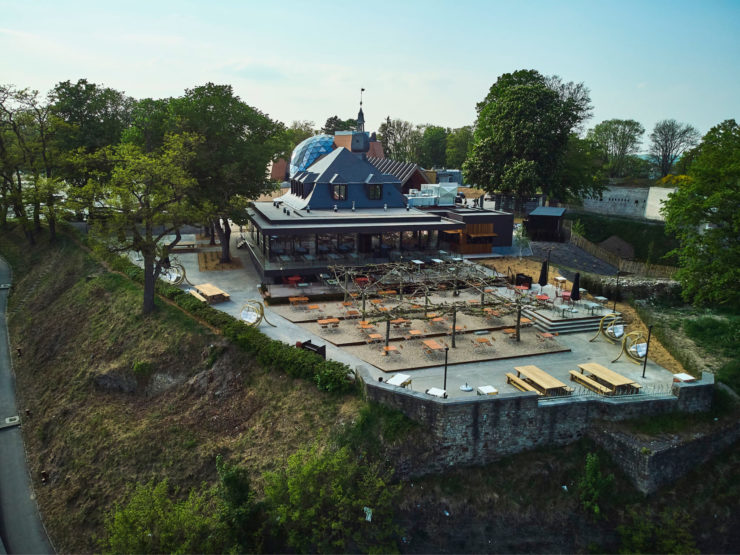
[[574, 322]]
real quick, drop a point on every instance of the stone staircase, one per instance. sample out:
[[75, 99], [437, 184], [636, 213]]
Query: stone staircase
[[574, 322]]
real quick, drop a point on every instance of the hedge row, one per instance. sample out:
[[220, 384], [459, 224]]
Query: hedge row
[[328, 375]]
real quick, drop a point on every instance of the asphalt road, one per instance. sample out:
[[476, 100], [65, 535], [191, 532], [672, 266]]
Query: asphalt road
[[20, 524]]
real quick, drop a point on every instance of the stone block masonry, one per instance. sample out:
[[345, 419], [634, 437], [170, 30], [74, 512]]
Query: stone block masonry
[[481, 429]]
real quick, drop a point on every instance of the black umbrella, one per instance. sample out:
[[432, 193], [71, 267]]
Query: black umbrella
[[543, 273], [575, 293]]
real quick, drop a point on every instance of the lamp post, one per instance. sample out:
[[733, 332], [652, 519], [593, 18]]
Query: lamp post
[[616, 292], [444, 386], [647, 348]]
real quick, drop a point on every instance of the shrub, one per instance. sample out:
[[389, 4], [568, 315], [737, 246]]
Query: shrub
[[333, 502], [152, 522], [593, 485], [142, 368]]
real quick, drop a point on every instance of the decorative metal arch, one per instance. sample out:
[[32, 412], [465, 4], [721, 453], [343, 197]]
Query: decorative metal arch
[[610, 328], [634, 346], [253, 313]]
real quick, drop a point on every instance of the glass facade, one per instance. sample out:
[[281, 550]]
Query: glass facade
[[308, 151]]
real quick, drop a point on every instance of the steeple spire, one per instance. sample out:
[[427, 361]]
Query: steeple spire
[[361, 116]]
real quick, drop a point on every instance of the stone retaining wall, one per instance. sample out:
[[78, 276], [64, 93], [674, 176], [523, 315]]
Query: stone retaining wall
[[481, 429]]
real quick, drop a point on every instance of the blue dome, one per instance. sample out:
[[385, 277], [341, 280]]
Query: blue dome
[[308, 151]]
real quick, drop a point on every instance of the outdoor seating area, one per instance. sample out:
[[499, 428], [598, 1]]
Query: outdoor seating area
[[601, 380]]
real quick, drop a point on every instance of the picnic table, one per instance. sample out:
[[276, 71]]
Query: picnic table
[[616, 383], [294, 280], [431, 346], [328, 322], [436, 392], [374, 338], [294, 301], [543, 381], [390, 349], [560, 282], [600, 299], [592, 306], [211, 293], [415, 333], [388, 292]]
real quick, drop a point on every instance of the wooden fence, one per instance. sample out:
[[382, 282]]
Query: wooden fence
[[622, 264]]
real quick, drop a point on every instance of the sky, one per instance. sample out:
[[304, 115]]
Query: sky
[[428, 62]]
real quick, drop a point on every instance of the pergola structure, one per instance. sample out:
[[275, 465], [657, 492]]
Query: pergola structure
[[417, 290]]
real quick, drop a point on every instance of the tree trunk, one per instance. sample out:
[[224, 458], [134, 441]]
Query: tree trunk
[[37, 216], [224, 235], [212, 233], [148, 305]]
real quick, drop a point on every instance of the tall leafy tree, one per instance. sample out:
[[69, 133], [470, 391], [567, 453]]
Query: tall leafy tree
[[230, 164], [297, 132], [28, 158], [150, 121], [459, 142], [618, 138], [335, 123], [522, 133], [433, 146], [143, 198], [583, 173], [401, 140], [668, 140], [703, 214]]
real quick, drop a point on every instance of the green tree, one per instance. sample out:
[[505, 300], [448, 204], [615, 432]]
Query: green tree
[[241, 514], [459, 143], [230, 164], [150, 122], [583, 173], [335, 123], [144, 199], [333, 502], [28, 159], [522, 133], [618, 138], [433, 146], [703, 214], [297, 132], [152, 522], [401, 140], [668, 140]]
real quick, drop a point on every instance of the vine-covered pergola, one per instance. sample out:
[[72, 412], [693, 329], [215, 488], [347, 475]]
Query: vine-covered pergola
[[414, 285]]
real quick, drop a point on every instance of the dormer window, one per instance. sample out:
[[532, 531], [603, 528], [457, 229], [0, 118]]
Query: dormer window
[[375, 192], [339, 192]]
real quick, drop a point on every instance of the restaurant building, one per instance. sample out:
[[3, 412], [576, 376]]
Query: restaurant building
[[341, 209]]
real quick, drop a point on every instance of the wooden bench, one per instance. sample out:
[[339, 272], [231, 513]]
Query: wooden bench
[[587, 382], [198, 296], [520, 383]]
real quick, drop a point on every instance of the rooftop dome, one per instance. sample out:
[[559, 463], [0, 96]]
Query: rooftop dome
[[308, 151]]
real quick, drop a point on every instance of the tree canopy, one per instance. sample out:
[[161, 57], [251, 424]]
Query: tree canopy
[[619, 139], [143, 200], [401, 140], [522, 133], [703, 214], [433, 146], [230, 164], [459, 142], [335, 123], [668, 140]]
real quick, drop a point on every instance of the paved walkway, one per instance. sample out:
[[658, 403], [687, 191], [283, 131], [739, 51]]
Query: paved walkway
[[20, 524], [571, 256]]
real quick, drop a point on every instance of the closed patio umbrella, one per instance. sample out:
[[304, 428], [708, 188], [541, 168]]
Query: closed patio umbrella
[[544, 273], [575, 293]]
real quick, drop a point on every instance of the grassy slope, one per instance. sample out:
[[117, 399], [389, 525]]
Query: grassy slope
[[638, 234], [76, 322]]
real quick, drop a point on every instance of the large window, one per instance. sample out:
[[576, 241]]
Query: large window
[[375, 192], [339, 192]]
